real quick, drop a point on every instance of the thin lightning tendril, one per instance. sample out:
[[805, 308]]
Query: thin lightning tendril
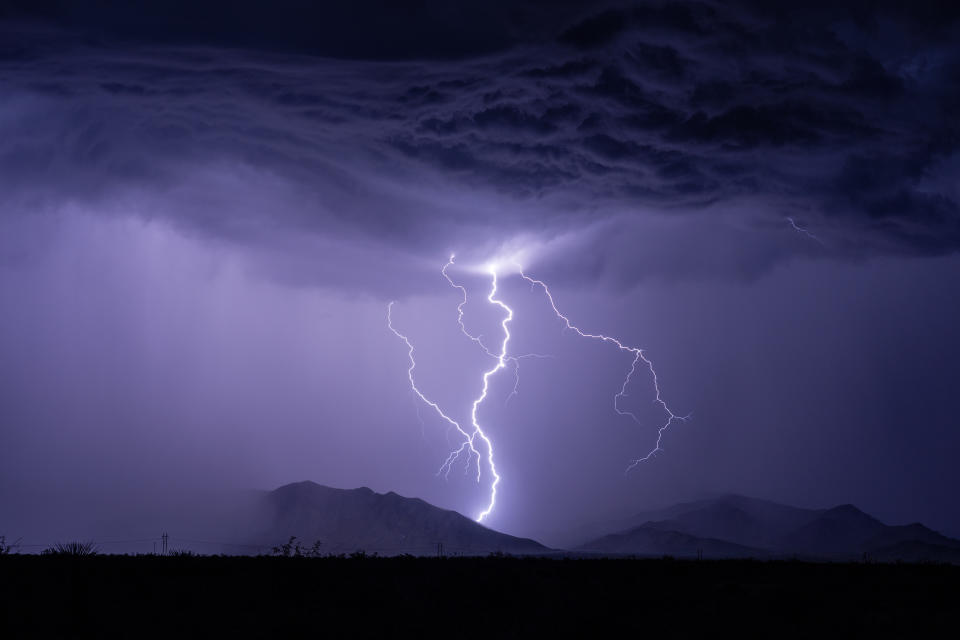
[[802, 230], [416, 390], [463, 290], [638, 356]]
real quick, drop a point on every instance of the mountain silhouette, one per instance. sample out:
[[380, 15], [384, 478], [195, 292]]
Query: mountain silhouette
[[745, 521], [739, 526], [348, 520], [646, 540], [842, 529]]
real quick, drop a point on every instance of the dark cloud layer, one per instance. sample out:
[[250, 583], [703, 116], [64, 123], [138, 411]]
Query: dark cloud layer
[[737, 112], [369, 29]]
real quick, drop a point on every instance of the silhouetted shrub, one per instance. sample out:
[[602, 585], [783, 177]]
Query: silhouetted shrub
[[74, 548], [292, 549]]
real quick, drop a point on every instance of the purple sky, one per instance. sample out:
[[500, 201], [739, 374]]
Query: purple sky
[[199, 238]]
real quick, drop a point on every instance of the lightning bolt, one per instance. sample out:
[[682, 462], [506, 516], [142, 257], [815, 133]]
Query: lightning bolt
[[501, 364], [638, 356], [804, 231], [475, 432], [469, 445]]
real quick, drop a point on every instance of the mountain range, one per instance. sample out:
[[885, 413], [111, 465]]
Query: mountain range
[[738, 526], [731, 526]]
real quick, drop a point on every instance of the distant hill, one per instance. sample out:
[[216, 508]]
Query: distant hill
[[738, 526], [750, 522], [745, 521], [843, 529], [646, 540], [915, 532], [347, 520]]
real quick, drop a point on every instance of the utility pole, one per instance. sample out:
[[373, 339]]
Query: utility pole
[[164, 537], [439, 549]]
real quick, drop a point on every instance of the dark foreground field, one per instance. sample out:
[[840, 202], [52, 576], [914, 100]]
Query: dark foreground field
[[457, 597]]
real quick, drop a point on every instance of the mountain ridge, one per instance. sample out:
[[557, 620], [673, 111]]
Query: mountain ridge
[[347, 520], [732, 525]]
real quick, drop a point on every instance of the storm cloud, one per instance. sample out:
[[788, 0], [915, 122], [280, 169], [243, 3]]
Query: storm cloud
[[733, 117]]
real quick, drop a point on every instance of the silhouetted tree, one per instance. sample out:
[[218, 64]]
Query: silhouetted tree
[[7, 549]]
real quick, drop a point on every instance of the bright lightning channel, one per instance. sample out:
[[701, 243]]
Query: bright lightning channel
[[638, 355], [469, 443], [501, 364]]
